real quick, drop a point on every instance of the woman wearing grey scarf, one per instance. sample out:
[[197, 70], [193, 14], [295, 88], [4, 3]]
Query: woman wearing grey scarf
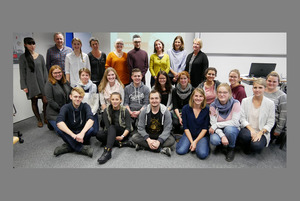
[[180, 96]]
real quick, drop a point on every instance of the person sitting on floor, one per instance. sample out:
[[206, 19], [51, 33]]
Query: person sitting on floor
[[117, 127], [154, 127], [225, 114], [195, 118], [75, 121]]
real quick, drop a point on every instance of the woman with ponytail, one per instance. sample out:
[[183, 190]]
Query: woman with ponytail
[[75, 61], [33, 76]]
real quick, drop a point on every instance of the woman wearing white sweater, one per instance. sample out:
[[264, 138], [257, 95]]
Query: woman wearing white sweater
[[257, 119], [91, 96]]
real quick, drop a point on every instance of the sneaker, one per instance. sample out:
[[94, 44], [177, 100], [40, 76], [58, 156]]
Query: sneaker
[[87, 150], [63, 149], [230, 154], [166, 150], [106, 155]]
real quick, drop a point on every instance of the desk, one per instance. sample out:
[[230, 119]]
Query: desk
[[249, 81]]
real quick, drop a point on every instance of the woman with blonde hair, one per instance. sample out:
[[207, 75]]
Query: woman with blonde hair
[[110, 83], [195, 117], [117, 128], [117, 59], [224, 120], [196, 63], [257, 119], [57, 91], [75, 61]]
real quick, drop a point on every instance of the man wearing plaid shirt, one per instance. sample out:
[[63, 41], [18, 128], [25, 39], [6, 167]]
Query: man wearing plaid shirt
[[56, 55]]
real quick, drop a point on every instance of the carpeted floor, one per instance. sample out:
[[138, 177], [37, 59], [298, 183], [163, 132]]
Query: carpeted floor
[[39, 144]]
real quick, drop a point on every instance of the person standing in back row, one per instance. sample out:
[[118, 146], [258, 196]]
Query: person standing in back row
[[56, 55], [196, 63], [138, 58]]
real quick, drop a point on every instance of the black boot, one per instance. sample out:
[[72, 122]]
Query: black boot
[[106, 155], [126, 144], [230, 154]]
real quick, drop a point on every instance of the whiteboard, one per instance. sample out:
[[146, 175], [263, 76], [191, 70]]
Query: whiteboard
[[273, 43]]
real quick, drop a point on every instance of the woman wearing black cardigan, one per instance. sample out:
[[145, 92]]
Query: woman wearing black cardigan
[[196, 63]]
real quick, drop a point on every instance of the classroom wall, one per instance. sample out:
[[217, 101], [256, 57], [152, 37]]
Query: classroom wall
[[237, 56]]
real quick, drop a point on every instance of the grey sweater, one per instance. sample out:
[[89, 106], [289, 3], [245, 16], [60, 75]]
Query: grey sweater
[[279, 99], [166, 122], [136, 97]]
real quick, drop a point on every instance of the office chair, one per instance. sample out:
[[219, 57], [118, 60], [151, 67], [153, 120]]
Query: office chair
[[19, 134]]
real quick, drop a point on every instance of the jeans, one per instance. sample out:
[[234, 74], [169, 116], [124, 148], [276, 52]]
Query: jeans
[[138, 139], [231, 133], [246, 141], [76, 146], [53, 124], [202, 148], [96, 124]]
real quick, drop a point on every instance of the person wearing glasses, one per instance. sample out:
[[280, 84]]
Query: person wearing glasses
[[224, 120], [117, 59], [138, 58], [57, 91]]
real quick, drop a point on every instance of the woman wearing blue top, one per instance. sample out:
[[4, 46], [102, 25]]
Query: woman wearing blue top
[[177, 58], [195, 118]]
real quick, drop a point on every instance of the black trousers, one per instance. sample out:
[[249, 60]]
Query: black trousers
[[108, 137]]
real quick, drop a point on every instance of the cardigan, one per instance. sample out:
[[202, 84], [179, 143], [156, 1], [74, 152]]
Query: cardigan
[[97, 66], [120, 65], [33, 81], [279, 98], [56, 98], [157, 64], [266, 115], [196, 71]]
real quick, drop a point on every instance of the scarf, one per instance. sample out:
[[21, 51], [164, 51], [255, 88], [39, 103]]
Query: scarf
[[224, 110], [88, 87], [183, 93], [109, 90]]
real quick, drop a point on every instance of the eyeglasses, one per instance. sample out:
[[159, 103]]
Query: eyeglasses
[[223, 92], [56, 73]]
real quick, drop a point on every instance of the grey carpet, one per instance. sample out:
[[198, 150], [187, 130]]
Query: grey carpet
[[39, 144]]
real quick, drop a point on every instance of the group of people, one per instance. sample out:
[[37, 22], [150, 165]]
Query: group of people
[[185, 104]]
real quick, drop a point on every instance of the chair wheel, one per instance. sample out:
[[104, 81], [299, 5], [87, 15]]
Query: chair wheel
[[21, 140]]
